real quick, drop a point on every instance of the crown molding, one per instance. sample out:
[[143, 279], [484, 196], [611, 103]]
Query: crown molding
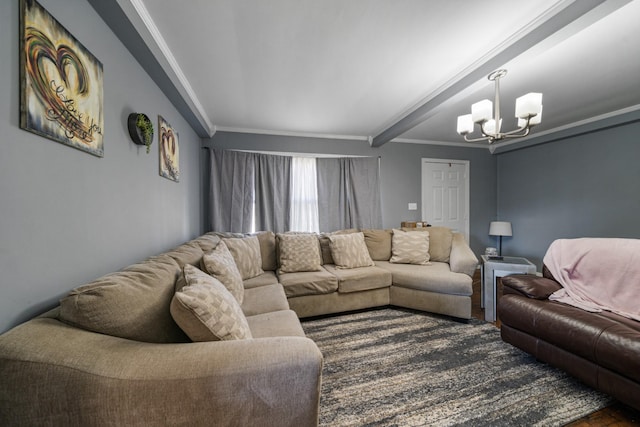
[[131, 23], [446, 143], [292, 133], [591, 124], [159, 41]]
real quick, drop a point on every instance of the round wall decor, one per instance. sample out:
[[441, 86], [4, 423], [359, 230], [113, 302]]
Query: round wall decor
[[140, 129]]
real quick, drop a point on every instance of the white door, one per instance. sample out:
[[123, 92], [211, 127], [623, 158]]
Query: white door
[[445, 195]]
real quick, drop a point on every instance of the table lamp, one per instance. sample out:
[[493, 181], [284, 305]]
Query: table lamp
[[500, 228]]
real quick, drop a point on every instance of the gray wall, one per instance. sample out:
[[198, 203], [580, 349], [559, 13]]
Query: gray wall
[[67, 217], [400, 173], [582, 186]]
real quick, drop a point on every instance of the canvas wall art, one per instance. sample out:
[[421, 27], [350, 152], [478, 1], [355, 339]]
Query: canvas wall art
[[61, 94], [169, 150]]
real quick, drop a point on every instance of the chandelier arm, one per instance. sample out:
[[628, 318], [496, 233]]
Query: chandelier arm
[[515, 131], [519, 135], [526, 128], [487, 138]]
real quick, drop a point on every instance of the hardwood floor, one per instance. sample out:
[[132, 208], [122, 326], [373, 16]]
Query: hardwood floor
[[616, 415]]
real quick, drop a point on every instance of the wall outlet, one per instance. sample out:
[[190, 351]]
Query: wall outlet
[[413, 206]]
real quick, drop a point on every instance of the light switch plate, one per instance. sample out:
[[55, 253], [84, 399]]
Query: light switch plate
[[413, 206]]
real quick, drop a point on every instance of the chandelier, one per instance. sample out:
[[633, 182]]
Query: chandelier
[[528, 112]]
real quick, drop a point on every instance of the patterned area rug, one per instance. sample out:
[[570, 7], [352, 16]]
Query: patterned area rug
[[396, 367]]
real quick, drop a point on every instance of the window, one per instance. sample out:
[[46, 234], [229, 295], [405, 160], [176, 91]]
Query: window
[[304, 195], [259, 191]]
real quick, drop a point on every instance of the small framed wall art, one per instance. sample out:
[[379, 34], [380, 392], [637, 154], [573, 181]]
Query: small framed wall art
[[61, 94], [169, 150]]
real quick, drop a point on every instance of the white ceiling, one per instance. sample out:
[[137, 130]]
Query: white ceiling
[[356, 68]]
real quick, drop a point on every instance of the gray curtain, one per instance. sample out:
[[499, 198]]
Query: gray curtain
[[231, 190], [349, 193], [273, 192], [237, 179]]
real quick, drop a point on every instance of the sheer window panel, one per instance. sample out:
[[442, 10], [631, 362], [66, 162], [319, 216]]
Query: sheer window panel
[[304, 195]]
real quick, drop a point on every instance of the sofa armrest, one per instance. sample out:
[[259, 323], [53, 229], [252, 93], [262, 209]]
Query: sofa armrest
[[56, 374], [530, 285], [462, 258]]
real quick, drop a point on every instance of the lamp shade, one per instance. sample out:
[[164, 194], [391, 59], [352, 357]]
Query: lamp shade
[[500, 228], [529, 105], [535, 120], [465, 124], [482, 111]]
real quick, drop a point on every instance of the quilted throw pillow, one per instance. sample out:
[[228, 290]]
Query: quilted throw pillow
[[409, 247], [440, 241], [220, 264], [350, 251], [206, 311], [246, 254], [299, 252], [325, 244]]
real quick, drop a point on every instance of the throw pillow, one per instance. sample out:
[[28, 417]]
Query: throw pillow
[[440, 241], [350, 251], [205, 310], [220, 264], [409, 247], [246, 254], [325, 244], [299, 252]]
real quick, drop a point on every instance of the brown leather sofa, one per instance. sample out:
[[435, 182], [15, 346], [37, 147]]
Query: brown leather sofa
[[600, 349]]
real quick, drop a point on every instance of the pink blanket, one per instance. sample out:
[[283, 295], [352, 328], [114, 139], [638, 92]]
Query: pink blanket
[[597, 274]]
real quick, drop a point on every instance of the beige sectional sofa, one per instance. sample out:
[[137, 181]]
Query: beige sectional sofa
[[444, 286], [113, 354]]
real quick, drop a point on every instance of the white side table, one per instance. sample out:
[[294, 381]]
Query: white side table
[[494, 268]]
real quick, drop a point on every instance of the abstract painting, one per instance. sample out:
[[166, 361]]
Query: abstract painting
[[169, 150], [60, 83]]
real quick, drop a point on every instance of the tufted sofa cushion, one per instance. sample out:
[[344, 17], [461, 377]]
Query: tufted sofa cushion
[[436, 277], [267, 240], [133, 303], [378, 243], [308, 283], [187, 253]]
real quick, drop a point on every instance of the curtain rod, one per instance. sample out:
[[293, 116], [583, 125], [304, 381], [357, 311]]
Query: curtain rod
[[336, 155]]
